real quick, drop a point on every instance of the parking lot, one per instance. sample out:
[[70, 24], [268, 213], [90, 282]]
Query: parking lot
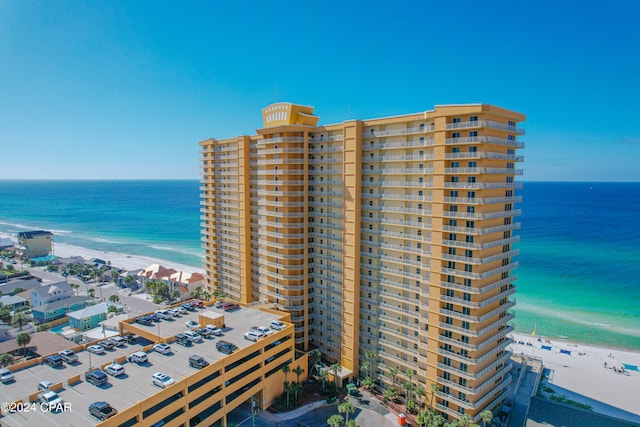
[[136, 384]]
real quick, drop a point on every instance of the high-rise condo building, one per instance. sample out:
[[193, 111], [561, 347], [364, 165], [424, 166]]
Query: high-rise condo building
[[388, 240]]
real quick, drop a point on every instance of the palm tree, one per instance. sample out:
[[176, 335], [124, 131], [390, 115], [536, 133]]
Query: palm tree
[[114, 275], [175, 294], [23, 339], [406, 387], [486, 416], [128, 279], [335, 420], [323, 376], [91, 292], [114, 298], [394, 372], [437, 419], [75, 287], [420, 392], [368, 383], [371, 355], [364, 368], [298, 370], [346, 408], [286, 369], [335, 369], [314, 359], [409, 374], [6, 359], [352, 423], [295, 388], [465, 420], [390, 394]]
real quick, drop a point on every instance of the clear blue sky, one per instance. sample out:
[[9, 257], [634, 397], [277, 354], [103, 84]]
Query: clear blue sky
[[127, 89]]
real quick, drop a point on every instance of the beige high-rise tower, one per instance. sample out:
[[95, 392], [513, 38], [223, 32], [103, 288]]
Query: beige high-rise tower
[[389, 240]]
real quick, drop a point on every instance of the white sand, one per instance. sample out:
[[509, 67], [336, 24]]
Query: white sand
[[120, 260], [583, 373]]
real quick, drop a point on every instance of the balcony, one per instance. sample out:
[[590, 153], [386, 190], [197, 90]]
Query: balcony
[[477, 319], [473, 290], [485, 124], [395, 132], [485, 171], [489, 215]]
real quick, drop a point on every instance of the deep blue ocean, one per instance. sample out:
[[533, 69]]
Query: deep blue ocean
[[579, 274]]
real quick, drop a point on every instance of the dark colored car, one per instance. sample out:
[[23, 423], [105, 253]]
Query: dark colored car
[[155, 317], [188, 306], [184, 340], [198, 362], [54, 361], [206, 333], [144, 320], [231, 307], [102, 410], [129, 339], [96, 377], [225, 347]]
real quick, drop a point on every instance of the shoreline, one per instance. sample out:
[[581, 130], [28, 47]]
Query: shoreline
[[117, 259], [585, 373]]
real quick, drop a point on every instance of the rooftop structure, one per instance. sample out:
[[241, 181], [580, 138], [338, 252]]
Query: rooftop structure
[[388, 240]]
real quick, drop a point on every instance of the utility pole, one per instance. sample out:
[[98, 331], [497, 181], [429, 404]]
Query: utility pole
[[253, 411]]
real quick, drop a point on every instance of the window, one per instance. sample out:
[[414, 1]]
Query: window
[[456, 120], [473, 149], [454, 179], [454, 193], [473, 134], [455, 135], [473, 118], [473, 164]]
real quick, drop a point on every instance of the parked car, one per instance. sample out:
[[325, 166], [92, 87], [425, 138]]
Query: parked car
[[192, 325], [51, 399], [6, 376], [96, 377], [115, 369], [144, 320], [195, 337], [102, 410], [184, 340], [181, 309], [154, 317], [225, 347], [162, 348], [96, 349], [231, 307], [214, 329], [129, 339], [162, 380], [45, 385], [219, 303], [162, 314], [188, 306], [69, 356], [54, 361], [174, 312], [277, 325], [138, 357], [264, 330], [256, 330], [106, 344], [198, 362], [118, 341], [197, 303], [204, 332], [251, 336]]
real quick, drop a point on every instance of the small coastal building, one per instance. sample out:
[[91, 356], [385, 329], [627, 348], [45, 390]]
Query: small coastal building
[[90, 317], [156, 272], [14, 302], [5, 243], [185, 282], [50, 293], [58, 309], [4, 332], [20, 285], [35, 244]]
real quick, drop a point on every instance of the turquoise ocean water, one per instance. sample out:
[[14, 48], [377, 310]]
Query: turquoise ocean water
[[579, 261]]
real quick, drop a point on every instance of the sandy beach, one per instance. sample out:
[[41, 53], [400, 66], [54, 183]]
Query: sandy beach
[[120, 260], [585, 373]]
